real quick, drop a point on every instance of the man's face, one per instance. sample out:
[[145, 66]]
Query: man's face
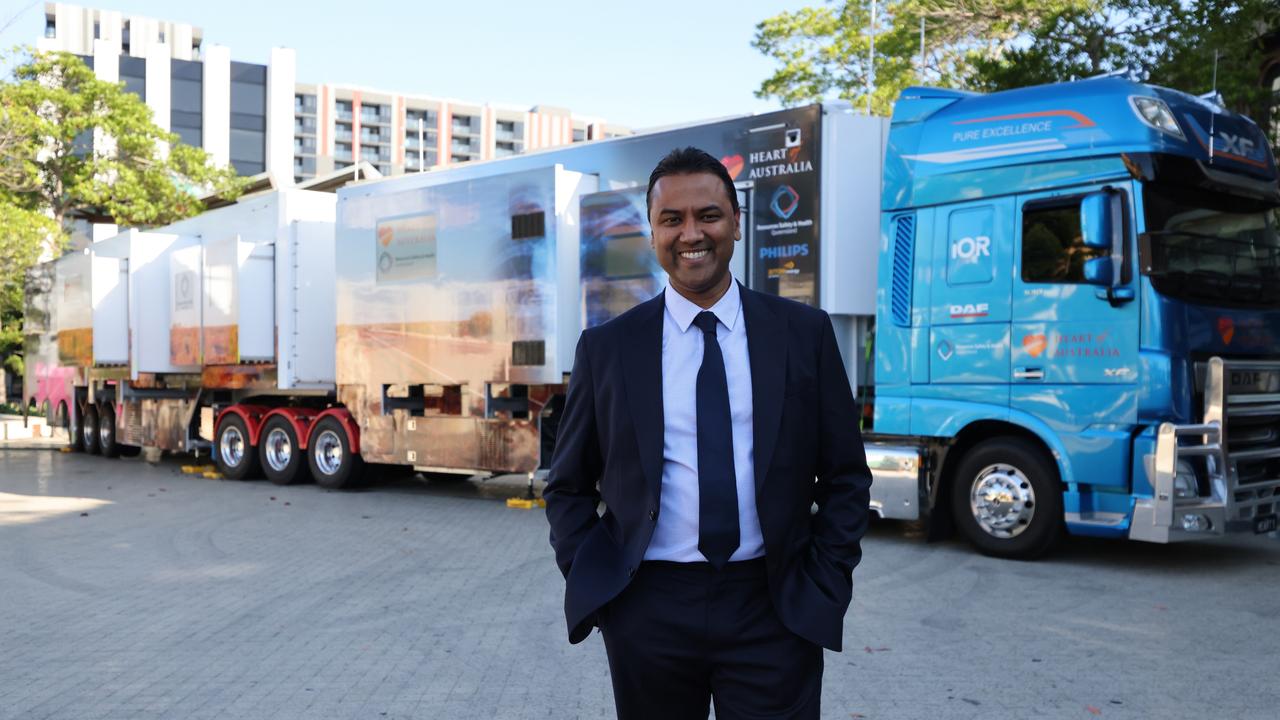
[[694, 228]]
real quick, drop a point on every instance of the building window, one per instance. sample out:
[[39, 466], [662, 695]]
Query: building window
[[503, 149], [342, 131], [97, 30], [342, 151], [463, 124], [186, 101], [304, 125], [50, 27], [459, 158], [133, 73], [304, 146], [248, 117], [343, 109], [579, 134], [374, 114], [305, 104], [428, 118]]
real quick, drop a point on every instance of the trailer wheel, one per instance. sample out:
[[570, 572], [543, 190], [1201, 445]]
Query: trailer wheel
[[107, 432], [70, 422], [282, 461], [1006, 499], [89, 429], [333, 465], [235, 457]]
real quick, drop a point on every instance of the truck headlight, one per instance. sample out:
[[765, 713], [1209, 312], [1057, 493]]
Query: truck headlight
[[1184, 481], [1155, 113]]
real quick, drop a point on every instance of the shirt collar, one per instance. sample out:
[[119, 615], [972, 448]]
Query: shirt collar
[[683, 310]]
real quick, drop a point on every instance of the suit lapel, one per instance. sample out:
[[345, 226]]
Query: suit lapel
[[767, 349], [642, 363]]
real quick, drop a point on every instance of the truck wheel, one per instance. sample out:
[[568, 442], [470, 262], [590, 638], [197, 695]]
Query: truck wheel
[[282, 461], [1006, 499], [235, 457], [70, 422], [333, 465], [89, 429], [107, 432]]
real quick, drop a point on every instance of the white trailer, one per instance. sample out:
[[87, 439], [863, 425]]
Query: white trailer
[[429, 322]]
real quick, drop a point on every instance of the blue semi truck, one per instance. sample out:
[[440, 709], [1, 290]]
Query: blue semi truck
[[1078, 317]]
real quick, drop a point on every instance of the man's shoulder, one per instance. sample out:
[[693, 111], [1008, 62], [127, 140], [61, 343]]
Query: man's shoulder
[[797, 314], [623, 325]]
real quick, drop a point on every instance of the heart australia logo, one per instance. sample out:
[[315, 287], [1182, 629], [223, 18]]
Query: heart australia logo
[[1227, 329], [1035, 344], [734, 164]]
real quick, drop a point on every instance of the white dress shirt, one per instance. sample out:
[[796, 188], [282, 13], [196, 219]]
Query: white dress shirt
[[676, 535]]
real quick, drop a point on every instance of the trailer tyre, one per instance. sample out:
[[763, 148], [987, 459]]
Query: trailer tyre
[[107, 432], [1007, 499], [89, 429], [283, 462], [329, 455], [235, 457]]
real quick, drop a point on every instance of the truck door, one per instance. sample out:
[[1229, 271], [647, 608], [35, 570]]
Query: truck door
[[969, 303], [1075, 345]]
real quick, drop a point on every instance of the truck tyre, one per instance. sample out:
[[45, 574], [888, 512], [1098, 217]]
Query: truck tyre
[[235, 457], [70, 421], [283, 462], [333, 465], [107, 432], [89, 429], [1007, 499]]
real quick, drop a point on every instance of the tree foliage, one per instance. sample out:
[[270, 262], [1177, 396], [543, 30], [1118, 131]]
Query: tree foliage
[[1000, 44], [74, 146]]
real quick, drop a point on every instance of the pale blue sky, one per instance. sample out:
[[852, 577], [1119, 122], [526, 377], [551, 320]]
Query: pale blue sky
[[639, 63]]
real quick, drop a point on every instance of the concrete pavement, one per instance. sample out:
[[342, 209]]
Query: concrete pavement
[[134, 591]]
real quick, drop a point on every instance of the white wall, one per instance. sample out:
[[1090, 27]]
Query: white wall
[[281, 80], [217, 103]]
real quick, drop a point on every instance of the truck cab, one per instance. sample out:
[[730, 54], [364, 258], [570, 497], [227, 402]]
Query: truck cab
[[1078, 316]]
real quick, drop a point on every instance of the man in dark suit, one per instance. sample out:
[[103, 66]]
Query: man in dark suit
[[702, 418]]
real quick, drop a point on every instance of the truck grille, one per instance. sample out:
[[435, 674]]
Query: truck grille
[[1252, 417], [1243, 398]]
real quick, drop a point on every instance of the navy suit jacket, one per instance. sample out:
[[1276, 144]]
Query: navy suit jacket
[[807, 450]]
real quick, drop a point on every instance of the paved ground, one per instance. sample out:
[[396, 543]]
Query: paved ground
[[132, 591]]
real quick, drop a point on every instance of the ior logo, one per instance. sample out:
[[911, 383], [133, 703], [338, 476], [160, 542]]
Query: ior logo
[[1236, 144], [971, 248], [970, 310]]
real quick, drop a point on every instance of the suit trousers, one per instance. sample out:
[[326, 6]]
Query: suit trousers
[[685, 634]]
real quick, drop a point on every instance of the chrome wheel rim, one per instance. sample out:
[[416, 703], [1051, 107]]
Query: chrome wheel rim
[[104, 432], [279, 449], [89, 429], [231, 447], [1002, 501], [328, 452]]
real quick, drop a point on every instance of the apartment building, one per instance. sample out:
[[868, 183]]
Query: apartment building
[[258, 118], [337, 125]]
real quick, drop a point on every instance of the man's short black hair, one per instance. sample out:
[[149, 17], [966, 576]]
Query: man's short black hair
[[687, 161]]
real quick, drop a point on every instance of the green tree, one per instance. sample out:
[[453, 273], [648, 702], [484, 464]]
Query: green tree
[[72, 145], [999, 44]]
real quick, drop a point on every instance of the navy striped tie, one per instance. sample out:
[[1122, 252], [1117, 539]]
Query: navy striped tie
[[718, 534]]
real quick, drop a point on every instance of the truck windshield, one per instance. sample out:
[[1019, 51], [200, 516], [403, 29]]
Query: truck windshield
[[1212, 248]]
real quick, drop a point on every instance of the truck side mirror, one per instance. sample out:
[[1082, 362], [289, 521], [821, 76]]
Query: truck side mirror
[[1096, 226], [1099, 271], [1102, 228]]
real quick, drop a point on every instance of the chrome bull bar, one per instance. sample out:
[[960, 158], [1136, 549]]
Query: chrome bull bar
[[1229, 506]]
